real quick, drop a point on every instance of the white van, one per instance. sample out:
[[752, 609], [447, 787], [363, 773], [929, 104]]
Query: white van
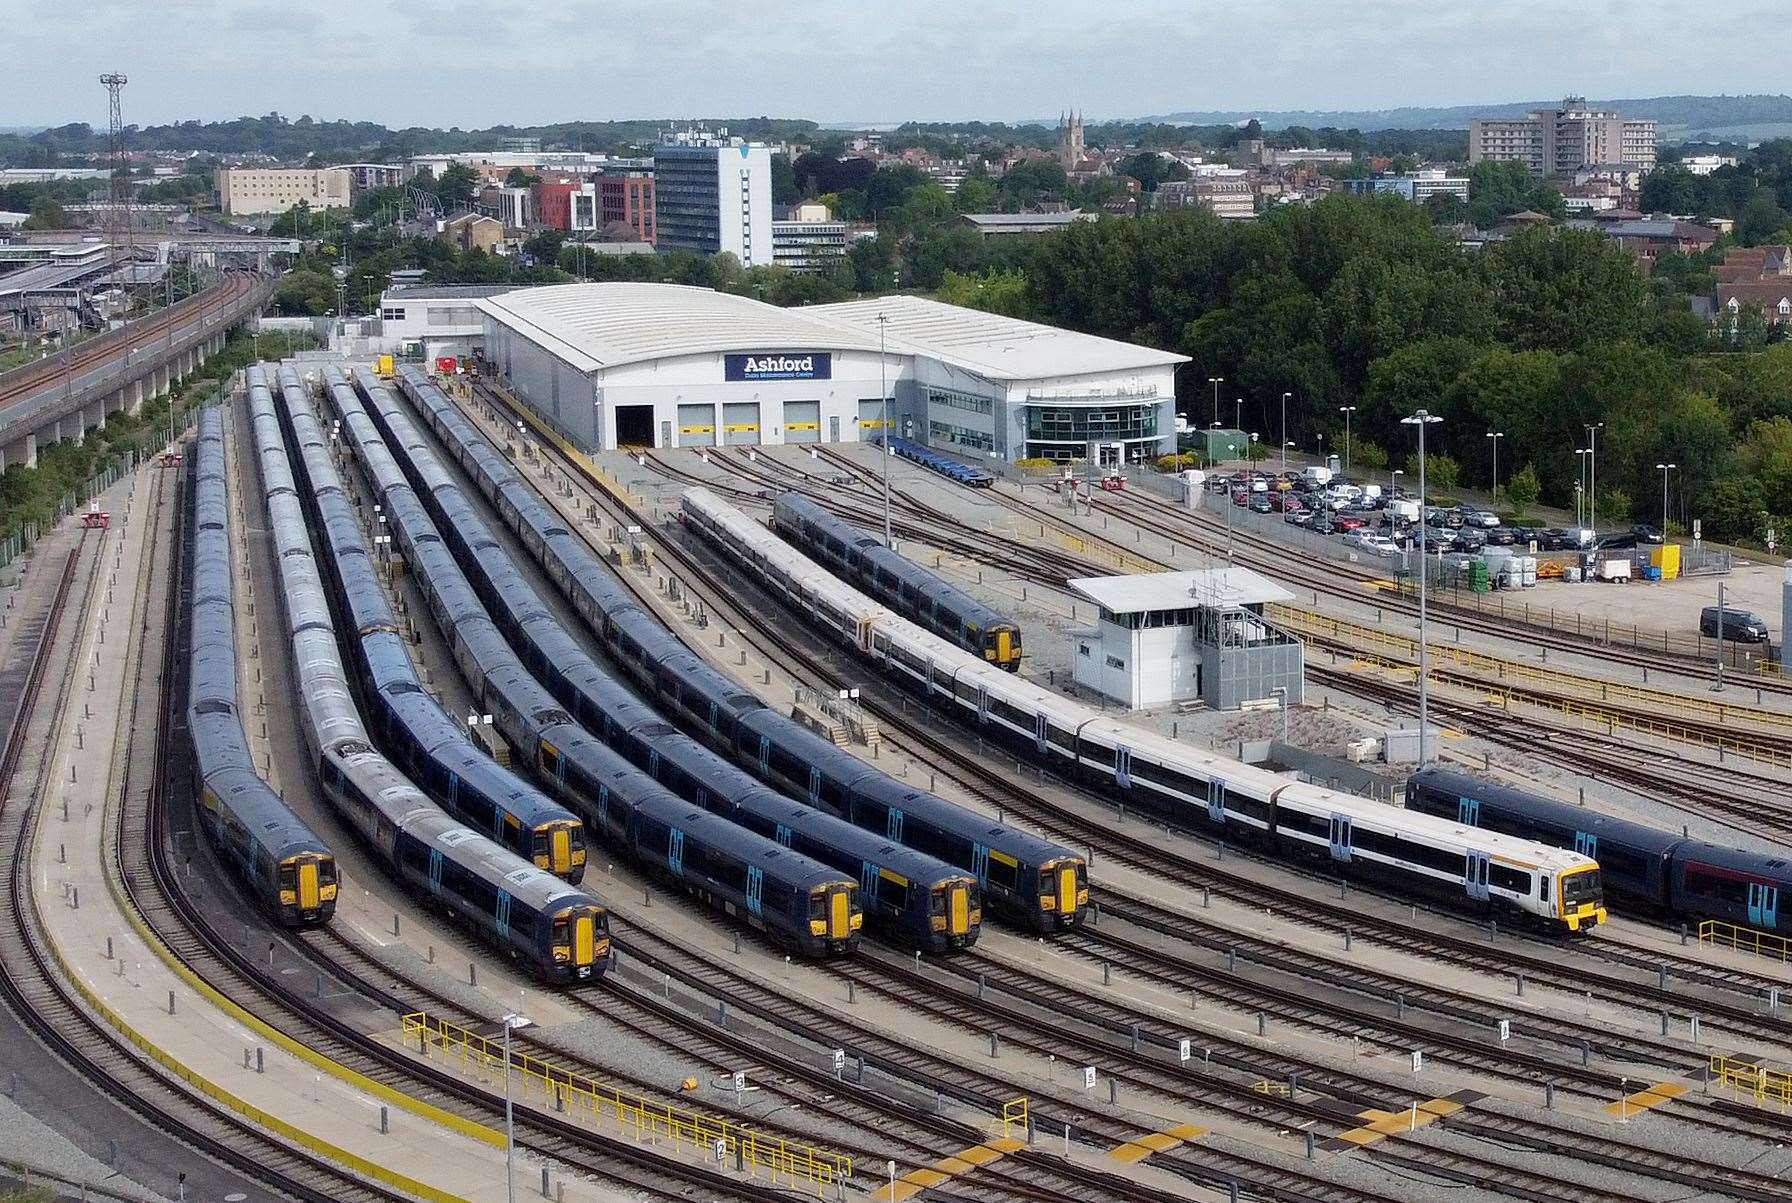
[[1316, 476]]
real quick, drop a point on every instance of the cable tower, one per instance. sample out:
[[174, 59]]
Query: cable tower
[[118, 210]]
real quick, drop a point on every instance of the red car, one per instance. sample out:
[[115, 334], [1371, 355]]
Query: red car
[[1286, 503], [1347, 522], [1241, 497]]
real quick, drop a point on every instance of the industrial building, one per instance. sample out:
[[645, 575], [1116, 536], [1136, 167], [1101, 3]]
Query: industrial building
[[1417, 186], [663, 365], [258, 191], [1165, 638], [714, 194]]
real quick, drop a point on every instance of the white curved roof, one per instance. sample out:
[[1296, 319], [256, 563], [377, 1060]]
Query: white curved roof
[[594, 326]]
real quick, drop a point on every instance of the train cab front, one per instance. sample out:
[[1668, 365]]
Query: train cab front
[[559, 847], [954, 913], [1063, 893], [1580, 899], [307, 889], [581, 943], [835, 917], [1002, 648]]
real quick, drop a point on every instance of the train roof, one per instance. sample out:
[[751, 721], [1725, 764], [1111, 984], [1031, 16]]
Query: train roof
[[1640, 837]]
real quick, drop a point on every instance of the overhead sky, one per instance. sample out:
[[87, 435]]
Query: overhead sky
[[475, 63]]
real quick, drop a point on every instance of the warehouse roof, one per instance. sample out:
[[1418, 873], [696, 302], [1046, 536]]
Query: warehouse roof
[[988, 344], [1209, 588], [594, 326]]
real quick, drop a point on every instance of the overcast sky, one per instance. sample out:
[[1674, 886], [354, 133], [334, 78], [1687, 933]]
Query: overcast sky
[[475, 63]]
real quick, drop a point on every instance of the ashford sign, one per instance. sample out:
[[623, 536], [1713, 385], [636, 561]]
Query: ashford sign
[[784, 365]]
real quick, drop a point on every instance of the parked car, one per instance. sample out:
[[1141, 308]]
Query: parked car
[[1646, 534], [1743, 626], [1241, 497], [1501, 536], [1321, 523], [1298, 517], [1260, 504], [1485, 519], [1286, 503], [1469, 540], [1348, 522]]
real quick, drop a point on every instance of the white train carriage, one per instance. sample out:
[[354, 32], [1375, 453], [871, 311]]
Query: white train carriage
[[1185, 783]]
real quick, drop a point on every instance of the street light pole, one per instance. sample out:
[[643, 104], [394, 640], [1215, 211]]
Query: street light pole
[[1238, 414], [1216, 381], [1665, 469], [883, 322], [509, 1118], [1285, 397], [1346, 410], [1494, 437], [1422, 419]]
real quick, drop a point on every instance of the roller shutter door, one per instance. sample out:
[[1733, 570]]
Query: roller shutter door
[[740, 422], [696, 426], [802, 421]]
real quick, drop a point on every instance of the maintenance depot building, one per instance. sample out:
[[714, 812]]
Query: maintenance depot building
[[665, 365]]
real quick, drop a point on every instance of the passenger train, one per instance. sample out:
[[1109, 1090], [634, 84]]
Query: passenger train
[[289, 870], [1415, 851], [801, 903], [906, 895], [427, 743], [1031, 881], [892, 578], [1665, 871], [555, 930]]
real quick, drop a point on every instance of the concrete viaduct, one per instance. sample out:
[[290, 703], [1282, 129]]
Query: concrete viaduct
[[65, 395]]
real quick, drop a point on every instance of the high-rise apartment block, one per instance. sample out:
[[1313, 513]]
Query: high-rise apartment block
[[713, 193], [1563, 140]]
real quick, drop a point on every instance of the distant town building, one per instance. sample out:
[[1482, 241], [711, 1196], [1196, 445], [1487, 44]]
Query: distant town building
[[1756, 277], [992, 225], [1563, 140], [566, 204], [515, 206], [1071, 147], [713, 194], [1706, 164], [365, 177], [1650, 238], [470, 231], [257, 191], [1418, 186], [807, 238], [1232, 199], [626, 198], [1256, 153]]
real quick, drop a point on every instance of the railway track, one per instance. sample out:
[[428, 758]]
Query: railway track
[[1612, 1079], [82, 357]]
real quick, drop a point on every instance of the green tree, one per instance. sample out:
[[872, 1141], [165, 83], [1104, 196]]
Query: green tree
[[784, 186], [518, 178], [544, 246], [1523, 490], [975, 195], [1441, 472], [46, 214], [996, 291], [458, 186], [1562, 289]]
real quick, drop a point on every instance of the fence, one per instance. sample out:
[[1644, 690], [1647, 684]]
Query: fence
[[16, 545], [569, 1091], [1744, 939], [1749, 1077]]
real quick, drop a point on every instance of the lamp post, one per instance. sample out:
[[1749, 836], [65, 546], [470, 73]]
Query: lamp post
[[1394, 479], [1581, 490], [1216, 381], [1346, 410], [1422, 419], [1285, 397], [1665, 469], [884, 406], [1593, 429], [510, 1021], [1493, 439], [1238, 413]]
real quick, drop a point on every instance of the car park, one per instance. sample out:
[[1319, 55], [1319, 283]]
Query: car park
[[1741, 626]]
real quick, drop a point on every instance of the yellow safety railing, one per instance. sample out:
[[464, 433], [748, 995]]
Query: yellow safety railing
[[1266, 1086], [635, 1115], [607, 482], [1093, 550], [1719, 934], [1015, 1114], [1338, 628], [1746, 1077]]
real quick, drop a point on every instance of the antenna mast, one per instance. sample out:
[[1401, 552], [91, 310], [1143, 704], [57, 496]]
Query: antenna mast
[[118, 211]]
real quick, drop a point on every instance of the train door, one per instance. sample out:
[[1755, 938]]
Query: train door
[[982, 704], [893, 826], [1341, 838], [1475, 876], [584, 940], [980, 864], [1763, 904], [308, 891], [868, 879], [765, 755], [755, 890], [1468, 812], [1039, 726], [1586, 844], [814, 786], [1123, 767], [1216, 799], [435, 871], [503, 915], [675, 851], [782, 834]]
